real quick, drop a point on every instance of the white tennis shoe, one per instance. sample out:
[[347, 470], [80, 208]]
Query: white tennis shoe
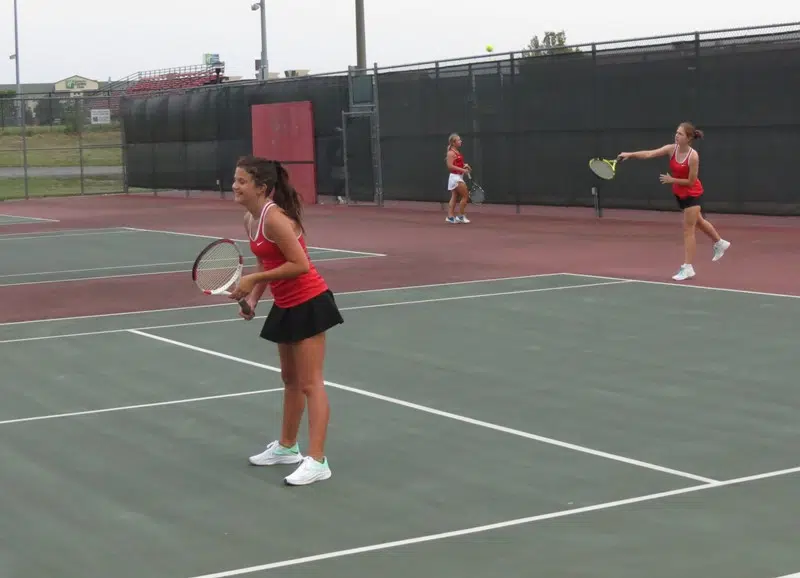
[[310, 471], [685, 272], [719, 249], [276, 454]]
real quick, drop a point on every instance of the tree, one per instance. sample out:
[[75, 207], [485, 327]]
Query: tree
[[49, 111], [552, 43], [9, 111]]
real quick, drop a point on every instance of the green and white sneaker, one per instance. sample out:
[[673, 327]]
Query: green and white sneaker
[[685, 272], [719, 249], [310, 471], [276, 454]]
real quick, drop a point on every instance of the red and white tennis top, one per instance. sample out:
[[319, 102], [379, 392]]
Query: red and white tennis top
[[458, 161], [680, 170], [286, 292]]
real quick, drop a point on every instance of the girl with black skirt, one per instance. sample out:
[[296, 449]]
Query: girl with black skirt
[[302, 312]]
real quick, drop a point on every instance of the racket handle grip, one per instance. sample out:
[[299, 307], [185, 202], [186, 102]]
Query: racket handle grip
[[246, 309]]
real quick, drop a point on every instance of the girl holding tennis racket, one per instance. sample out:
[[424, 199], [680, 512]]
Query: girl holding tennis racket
[[684, 166], [459, 194], [303, 310]]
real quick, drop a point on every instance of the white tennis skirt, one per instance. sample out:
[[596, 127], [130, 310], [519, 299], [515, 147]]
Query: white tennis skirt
[[453, 181]]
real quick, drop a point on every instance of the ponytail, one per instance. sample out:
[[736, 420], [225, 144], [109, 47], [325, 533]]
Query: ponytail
[[691, 131], [286, 197], [273, 178]]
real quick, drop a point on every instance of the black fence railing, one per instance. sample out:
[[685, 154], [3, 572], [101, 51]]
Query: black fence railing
[[530, 122]]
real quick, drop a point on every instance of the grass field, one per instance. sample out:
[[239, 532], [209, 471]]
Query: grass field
[[54, 147], [59, 186]]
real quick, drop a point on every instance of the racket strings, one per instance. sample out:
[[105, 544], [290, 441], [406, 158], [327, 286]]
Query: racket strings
[[602, 169], [217, 267], [476, 193]]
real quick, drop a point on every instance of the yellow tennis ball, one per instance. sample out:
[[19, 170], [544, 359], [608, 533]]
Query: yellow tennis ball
[[489, 48]]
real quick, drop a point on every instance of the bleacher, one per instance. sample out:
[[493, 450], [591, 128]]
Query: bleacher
[[142, 83], [171, 79]]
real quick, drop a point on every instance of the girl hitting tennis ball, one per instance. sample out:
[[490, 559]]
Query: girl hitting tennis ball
[[684, 166]]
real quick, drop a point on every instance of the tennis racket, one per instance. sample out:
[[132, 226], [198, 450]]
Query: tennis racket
[[604, 168], [218, 269], [476, 192]]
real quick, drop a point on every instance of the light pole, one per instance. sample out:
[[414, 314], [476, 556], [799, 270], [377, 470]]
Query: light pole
[[264, 69], [361, 36], [20, 101]]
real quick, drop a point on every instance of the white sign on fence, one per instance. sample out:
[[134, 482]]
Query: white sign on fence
[[101, 116]]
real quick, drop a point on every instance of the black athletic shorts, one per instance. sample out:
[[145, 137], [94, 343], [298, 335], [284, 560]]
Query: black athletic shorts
[[689, 202], [302, 321]]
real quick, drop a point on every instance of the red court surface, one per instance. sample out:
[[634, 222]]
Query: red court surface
[[420, 247]]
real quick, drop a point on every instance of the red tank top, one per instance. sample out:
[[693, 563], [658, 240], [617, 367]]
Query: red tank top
[[680, 170], [286, 292], [458, 161]]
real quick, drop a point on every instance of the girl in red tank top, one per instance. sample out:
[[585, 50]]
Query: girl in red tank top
[[303, 310], [684, 166], [286, 292], [680, 172], [459, 193]]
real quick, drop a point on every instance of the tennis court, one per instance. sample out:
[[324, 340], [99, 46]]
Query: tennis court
[[558, 424]]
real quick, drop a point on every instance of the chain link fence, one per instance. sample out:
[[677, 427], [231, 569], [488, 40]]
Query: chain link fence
[[65, 146], [530, 120]]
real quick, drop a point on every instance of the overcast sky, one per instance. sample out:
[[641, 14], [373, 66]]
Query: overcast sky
[[59, 38]]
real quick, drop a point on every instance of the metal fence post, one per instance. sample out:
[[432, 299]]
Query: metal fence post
[[376, 115]]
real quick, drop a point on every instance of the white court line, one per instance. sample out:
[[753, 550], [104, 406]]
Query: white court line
[[109, 268], [681, 284], [139, 406], [59, 232], [144, 274], [352, 308], [795, 575], [26, 219], [384, 290], [440, 413], [247, 241], [249, 260], [501, 525], [29, 236]]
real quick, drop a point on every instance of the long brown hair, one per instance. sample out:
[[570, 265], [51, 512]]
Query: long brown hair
[[273, 175]]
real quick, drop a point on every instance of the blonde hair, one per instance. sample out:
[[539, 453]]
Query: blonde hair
[[452, 139]]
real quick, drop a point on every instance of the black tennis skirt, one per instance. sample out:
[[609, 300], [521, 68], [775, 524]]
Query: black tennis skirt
[[302, 321]]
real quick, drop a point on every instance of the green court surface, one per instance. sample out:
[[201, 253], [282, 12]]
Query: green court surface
[[81, 254], [16, 220], [554, 425]]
